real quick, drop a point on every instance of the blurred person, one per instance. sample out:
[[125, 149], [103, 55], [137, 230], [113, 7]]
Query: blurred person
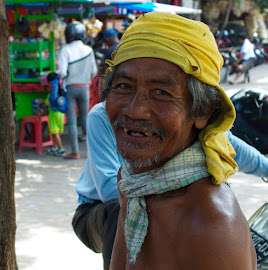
[[111, 40], [248, 158], [95, 219], [77, 67], [246, 57], [110, 37], [56, 122]]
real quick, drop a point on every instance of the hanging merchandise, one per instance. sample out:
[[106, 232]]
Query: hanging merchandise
[[44, 30], [57, 26], [93, 26]]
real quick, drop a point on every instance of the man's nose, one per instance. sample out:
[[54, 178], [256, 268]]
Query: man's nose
[[139, 107]]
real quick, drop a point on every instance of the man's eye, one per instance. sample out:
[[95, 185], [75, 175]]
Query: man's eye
[[161, 92], [122, 86]]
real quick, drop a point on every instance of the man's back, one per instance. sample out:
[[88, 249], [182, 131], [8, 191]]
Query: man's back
[[247, 49], [185, 229]]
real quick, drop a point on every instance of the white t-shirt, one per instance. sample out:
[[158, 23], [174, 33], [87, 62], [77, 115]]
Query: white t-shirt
[[77, 63], [248, 49]]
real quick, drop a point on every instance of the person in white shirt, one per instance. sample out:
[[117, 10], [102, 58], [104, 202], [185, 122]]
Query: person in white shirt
[[77, 66], [245, 59]]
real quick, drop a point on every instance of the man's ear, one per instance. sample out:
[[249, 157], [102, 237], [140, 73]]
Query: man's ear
[[201, 122]]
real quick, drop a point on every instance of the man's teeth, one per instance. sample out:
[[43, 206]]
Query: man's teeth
[[138, 134]]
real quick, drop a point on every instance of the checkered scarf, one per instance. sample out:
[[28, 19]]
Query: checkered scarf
[[182, 170]]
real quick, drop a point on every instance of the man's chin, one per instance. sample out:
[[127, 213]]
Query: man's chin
[[139, 163], [140, 156]]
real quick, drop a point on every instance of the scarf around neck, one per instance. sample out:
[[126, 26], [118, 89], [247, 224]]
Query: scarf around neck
[[182, 170]]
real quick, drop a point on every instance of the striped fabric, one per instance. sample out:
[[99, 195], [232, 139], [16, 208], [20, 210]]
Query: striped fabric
[[182, 170]]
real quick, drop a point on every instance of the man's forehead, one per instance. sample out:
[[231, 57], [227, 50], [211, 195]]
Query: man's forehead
[[162, 79], [157, 70]]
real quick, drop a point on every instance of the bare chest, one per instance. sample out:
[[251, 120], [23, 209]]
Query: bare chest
[[165, 236]]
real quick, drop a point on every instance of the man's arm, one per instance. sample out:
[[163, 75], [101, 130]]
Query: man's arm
[[63, 63], [98, 180], [248, 158]]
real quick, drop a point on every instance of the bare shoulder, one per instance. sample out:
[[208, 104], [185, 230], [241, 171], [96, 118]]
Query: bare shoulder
[[200, 226], [212, 202], [217, 229]]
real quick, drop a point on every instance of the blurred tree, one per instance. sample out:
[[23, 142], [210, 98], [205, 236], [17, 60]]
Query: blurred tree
[[262, 4], [7, 154], [226, 19]]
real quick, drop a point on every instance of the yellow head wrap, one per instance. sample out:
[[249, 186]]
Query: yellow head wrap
[[190, 45]]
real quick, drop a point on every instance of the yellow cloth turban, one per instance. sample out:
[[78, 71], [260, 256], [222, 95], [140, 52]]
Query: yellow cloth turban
[[190, 45]]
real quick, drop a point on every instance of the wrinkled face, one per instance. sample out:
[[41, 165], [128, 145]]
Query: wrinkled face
[[148, 107]]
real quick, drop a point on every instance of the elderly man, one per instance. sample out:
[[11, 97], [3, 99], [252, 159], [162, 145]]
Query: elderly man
[[169, 115]]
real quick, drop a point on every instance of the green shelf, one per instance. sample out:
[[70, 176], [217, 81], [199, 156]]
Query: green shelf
[[31, 64], [30, 46], [21, 65]]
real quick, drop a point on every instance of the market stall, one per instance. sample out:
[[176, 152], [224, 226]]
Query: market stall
[[36, 35]]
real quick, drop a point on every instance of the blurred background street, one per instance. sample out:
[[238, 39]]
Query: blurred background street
[[46, 200]]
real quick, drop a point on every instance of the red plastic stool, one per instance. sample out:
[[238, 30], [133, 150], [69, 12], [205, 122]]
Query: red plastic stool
[[36, 140]]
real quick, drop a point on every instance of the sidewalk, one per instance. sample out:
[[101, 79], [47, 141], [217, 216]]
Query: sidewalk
[[258, 79], [46, 200], [45, 203]]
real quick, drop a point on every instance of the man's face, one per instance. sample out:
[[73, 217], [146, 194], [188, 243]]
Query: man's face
[[109, 41], [148, 107]]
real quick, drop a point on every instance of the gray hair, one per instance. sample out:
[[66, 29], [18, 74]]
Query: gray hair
[[108, 79], [206, 98]]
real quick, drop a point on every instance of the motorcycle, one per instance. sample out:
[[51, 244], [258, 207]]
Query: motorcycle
[[225, 41], [258, 224], [251, 123], [229, 57], [259, 49], [260, 56]]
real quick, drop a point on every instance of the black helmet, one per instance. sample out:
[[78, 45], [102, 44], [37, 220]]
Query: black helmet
[[75, 31], [251, 122]]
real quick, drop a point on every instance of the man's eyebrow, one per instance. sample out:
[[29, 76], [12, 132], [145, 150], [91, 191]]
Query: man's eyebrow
[[123, 75], [164, 81]]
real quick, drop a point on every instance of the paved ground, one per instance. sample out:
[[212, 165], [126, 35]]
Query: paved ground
[[46, 200]]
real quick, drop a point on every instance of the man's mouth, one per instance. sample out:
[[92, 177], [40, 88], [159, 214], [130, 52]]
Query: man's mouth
[[139, 129], [138, 133]]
